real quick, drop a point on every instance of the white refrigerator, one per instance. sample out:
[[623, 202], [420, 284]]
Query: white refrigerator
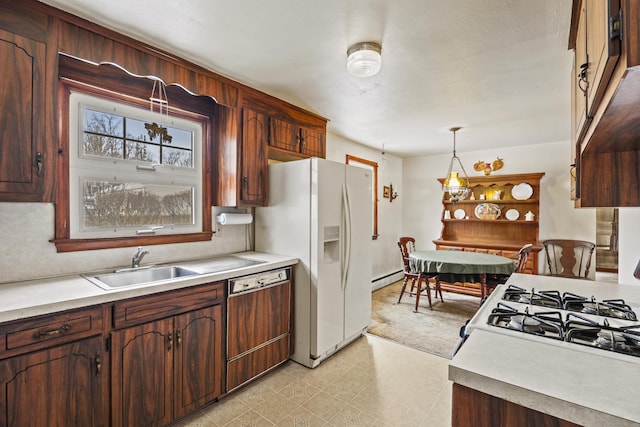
[[321, 212]]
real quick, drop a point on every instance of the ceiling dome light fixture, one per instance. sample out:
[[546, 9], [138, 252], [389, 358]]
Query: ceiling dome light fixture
[[457, 186], [364, 59]]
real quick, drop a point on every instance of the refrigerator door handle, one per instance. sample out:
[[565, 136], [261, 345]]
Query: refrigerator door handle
[[347, 244]]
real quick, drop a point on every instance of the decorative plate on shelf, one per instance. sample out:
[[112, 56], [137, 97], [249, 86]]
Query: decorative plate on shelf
[[487, 211], [459, 214], [512, 214], [522, 191]]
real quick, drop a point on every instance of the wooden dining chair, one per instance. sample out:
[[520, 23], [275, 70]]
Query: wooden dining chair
[[520, 260], [522, 257], [408, 245], [568, 258]]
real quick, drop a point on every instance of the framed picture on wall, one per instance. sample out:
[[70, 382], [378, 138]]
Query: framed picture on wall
[[385, 192]]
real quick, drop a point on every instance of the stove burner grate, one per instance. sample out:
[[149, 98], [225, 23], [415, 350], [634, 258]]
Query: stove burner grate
[[551, 299], [576, 328], [613, 308], [617, 340], [547, 324]]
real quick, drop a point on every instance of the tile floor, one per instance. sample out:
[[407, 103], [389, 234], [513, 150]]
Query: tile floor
[[372, 382]]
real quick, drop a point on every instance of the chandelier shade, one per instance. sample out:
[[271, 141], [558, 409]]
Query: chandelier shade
[[456, 185]]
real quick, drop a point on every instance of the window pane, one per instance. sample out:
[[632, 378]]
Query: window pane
[[180, 138], [141, 131], [102, 123], [102, 134], [102, 146], [143, 152], [175, 157], [116, 204]]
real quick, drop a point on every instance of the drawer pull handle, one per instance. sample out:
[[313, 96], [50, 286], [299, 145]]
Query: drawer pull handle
[[98, 364], [178, 338], [47, 334], [169, 341]]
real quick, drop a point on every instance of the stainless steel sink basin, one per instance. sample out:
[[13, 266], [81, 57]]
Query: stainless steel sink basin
[[138, 277]]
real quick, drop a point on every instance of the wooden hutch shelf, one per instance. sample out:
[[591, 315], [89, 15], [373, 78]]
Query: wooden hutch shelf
[[464, 230]]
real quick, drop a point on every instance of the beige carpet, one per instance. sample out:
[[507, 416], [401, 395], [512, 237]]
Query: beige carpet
[[434, 331]]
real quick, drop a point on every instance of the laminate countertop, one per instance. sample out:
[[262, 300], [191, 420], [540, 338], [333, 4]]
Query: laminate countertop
[[43, 296], [583, 388]]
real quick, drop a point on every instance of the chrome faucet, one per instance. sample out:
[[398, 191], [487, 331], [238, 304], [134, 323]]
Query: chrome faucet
[[137, 258]]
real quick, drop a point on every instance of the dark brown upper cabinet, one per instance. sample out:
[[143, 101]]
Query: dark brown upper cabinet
[[253, 158], [27, 142], [606, 102], [287, 139], [33, 36]]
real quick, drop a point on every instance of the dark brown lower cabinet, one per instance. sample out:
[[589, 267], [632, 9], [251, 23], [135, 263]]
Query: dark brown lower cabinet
[[166, 368], [166, 357], [473, 408], [60, 386]]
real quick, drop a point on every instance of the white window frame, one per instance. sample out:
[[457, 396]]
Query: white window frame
[[83, 168]]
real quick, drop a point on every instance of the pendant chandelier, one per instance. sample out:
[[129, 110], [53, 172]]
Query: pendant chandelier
[[457, 186]]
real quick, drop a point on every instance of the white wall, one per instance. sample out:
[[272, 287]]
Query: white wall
[[26, 253], [628, 247], [26, 228], [558, 218], [386, 256]]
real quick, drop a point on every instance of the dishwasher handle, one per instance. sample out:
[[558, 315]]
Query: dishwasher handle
[[257, 281]]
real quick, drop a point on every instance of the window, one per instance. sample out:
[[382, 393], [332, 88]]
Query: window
[[132, 171], [373, 166], [129, 176]]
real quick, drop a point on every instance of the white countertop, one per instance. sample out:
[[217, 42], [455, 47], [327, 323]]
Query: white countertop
[[43, 296], [589, 388], [574, 386]]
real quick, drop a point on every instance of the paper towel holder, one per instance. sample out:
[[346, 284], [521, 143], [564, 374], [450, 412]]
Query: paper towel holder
[[227, 218]]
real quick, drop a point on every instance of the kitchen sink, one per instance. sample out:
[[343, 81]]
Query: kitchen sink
[[138, 277]]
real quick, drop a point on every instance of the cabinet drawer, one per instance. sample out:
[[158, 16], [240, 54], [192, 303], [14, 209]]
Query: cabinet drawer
[[45, 331], [256, 362], [157, 306]]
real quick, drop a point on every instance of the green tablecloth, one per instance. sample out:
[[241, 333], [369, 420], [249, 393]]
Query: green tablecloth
[[465, 266]]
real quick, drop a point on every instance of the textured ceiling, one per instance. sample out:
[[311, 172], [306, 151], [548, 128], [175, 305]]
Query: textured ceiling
[[498, 68]]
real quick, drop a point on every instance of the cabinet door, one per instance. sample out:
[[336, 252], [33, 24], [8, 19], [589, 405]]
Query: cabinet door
[[142, 358], [22, 125], [284, 135], [579, 76], [61, 386], [312, 142], [199, 360], [602, 50], [253, 158]]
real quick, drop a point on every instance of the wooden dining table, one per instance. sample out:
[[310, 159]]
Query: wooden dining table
[[461, 265]]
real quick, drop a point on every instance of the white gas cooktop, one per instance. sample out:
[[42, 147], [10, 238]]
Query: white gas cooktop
[[580, 383], [589, 316]]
